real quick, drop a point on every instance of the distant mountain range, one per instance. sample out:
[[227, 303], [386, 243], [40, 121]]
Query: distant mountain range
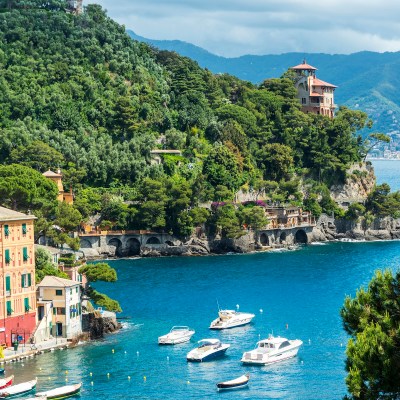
[[366, 80]]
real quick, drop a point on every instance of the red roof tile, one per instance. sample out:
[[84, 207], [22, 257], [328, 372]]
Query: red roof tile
[[318, 82], [304, 66]]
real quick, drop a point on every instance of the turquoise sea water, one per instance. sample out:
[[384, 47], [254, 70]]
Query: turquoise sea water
[[304, 289], [388, 171]]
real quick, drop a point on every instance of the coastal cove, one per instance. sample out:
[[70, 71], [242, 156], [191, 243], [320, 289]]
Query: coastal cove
[[304, 289]]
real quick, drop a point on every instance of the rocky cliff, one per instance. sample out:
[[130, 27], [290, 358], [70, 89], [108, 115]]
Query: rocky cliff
[[360, 181]]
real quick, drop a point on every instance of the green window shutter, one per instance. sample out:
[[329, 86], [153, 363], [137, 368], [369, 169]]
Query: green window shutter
[[8, 257], [25, 253], [29, 280], [8, 283], [23, 280], [55, 310], [26, 304], [24, 230], [6, 230], [9, 309]]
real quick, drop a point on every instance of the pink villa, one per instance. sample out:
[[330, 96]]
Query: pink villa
[[315, 95]]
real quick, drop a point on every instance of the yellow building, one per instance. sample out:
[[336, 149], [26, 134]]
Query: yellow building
[[68, 197], [17, 265], [315, 95]]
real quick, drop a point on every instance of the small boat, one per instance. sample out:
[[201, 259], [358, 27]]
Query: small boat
[[230, 319], [178, 334], [18, 389], [272, 350], [237, 383], [207, 350], [6, 382], [61, 392], [37, 398]]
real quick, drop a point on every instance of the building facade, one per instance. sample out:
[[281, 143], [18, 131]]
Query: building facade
[[56, 177], [17, 266], [65, 298], [315, 95]]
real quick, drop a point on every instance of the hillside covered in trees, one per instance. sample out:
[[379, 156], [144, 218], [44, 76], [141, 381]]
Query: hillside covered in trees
[[77, 93]]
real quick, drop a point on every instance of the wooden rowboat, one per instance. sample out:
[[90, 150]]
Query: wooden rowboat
[[6, 382], [237, 383], [16, 390], [61, 392]]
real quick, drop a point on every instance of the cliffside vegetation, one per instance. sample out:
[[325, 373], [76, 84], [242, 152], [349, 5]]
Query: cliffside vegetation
[[77, 93]]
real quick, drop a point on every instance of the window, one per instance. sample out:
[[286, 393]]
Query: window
[[26, 280], [284, 344], [8, 285], [303, 100], [9, 309], [25, 253], [6, 231], [24, 230], [58, 292], [60, 310], [7, 256], [26, 304]]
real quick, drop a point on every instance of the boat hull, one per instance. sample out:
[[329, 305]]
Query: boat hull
[[61, 393], [238, 383], [17, 390], [171, 341], [207, 357], [269, 359], [230, 324]]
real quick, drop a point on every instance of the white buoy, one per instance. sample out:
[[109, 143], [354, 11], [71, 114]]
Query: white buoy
[[167, 358], [237, 307], [261, 310], [309, 340], [137, 353]]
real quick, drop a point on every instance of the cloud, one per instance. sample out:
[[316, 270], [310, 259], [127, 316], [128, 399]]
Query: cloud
[[237, 27]]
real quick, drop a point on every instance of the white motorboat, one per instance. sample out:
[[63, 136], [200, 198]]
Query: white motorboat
[[230, 319], [272, 350], [178, 334], [207, 350]]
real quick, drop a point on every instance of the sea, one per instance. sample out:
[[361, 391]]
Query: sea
[[297, 294]]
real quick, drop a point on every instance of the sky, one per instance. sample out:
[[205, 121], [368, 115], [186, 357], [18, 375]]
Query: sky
[[238, 27]]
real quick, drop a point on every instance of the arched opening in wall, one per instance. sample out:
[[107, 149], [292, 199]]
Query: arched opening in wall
[[153, 240], [301, 237], [282, 237], [118, 246], [132, 247], [85, 244], [169, 243], [264, 239]]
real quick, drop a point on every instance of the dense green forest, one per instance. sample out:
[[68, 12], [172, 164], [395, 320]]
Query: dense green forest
[[77, 93]]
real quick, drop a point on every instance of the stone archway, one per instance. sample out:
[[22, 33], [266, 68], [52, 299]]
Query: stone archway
[[153, 240], [132, 247], [264, 240], [282, 237], [301, 237], [86, 244], [115, 242]]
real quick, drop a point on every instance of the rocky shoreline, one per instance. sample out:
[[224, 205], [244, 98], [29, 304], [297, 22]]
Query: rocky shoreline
[[327, 229]]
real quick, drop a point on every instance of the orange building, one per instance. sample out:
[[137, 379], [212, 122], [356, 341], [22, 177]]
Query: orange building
[[68, 197], [17, 288], [316, 96]]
